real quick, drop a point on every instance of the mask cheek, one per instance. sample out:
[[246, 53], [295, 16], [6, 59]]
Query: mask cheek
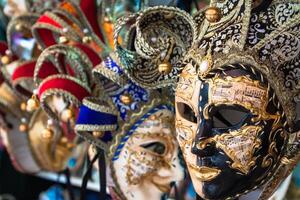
[[240, 146], [140, 166]]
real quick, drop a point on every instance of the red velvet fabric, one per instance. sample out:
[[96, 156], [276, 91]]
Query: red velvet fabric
[[25, 70], [3, 48], [64, 84], [46, 70], [47, 20], [89, 8], [93, 56], [46, 35], [70, 70]]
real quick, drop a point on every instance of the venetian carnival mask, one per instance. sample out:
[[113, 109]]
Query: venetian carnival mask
[[237, 89], [148, 162], [227, 128]]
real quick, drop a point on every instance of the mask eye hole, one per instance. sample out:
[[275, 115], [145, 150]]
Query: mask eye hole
[[228, 117], [155, 147], [186, 112]]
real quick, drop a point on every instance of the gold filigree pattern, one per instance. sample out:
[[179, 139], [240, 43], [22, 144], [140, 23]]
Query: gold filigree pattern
[[143, 163], [240, 146]]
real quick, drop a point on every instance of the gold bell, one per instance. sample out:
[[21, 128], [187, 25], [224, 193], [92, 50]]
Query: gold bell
[[86, 39], [165, 68], [213, 14], [62, 40], [32, 104], [98, 134], [67, 115], [19, 27], [126, 99], [47, 134], [5, 60], [23, 106], [64, 140], [106, 19], [23, 128], [153, 117]]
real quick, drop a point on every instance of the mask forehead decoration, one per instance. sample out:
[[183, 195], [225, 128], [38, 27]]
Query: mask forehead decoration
[[240, 91], [236, 92]]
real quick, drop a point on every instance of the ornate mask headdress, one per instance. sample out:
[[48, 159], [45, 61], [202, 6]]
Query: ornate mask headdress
[[237, 96]]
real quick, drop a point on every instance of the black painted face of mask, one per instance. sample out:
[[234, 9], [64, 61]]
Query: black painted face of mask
[[230, 132]]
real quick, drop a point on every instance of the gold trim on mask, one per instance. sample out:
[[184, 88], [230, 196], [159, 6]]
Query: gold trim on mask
[[239, 146]]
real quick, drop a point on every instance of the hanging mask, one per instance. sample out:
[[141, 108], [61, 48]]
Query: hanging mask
[[237, 93]]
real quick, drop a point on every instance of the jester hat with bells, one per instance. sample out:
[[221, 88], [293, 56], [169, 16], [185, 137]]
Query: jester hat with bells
[[28, 142]]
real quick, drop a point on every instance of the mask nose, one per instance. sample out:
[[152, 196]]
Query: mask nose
[[173, 169], [202, 146]]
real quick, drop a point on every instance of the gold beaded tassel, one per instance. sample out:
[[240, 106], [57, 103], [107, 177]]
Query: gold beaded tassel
[[165, 67]]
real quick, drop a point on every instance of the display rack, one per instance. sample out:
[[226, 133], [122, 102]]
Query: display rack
[[75, 181]]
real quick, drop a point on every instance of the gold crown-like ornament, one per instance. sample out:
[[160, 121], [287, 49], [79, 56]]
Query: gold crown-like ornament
[[260, 37]]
